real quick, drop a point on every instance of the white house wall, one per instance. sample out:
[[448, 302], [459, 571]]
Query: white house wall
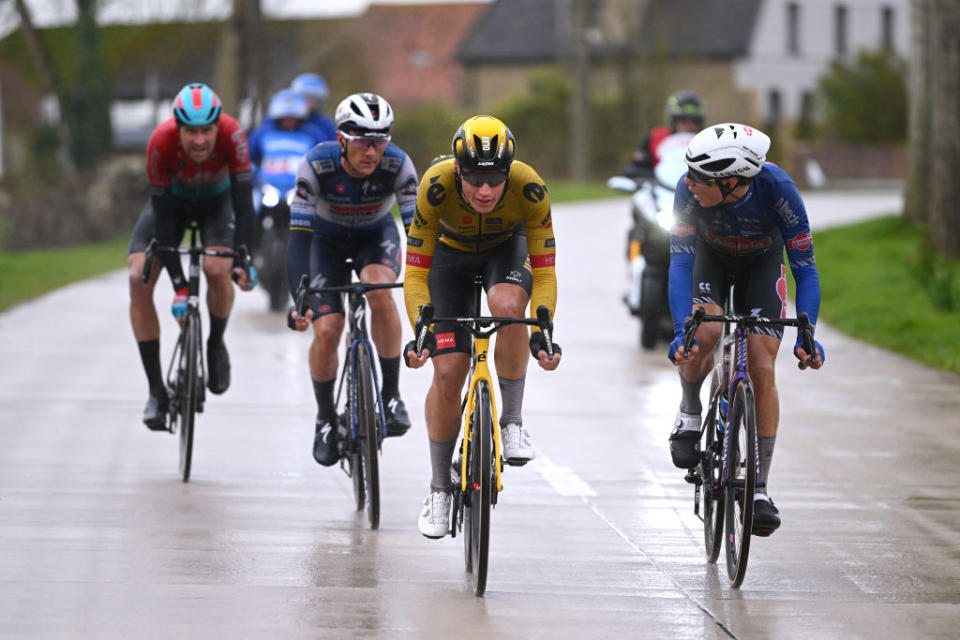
[[770, 66]]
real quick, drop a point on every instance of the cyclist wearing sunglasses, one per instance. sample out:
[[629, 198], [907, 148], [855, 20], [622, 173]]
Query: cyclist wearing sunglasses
[[734, 215], [345, 191], [478, 212]]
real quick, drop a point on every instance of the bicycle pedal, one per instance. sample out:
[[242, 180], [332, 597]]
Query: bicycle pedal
[[693, 477], [513, 462]]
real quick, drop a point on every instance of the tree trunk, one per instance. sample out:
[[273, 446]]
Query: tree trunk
[[89, 118], [241, 63], [944, 203]]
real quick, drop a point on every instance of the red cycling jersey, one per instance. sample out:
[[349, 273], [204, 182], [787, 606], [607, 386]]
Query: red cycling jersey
[[169, 166]]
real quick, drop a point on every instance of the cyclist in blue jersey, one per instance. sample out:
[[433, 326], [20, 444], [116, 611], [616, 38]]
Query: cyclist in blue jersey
[[282, 139], [734, 214], [345, 191], [314, 88]]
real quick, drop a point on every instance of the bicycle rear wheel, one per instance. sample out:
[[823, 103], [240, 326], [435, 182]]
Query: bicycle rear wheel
[[710, 473], [480, 476], [368, 435], [741, 480], [190, 378]]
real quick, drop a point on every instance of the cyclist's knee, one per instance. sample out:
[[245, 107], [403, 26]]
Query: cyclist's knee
[[381, 301], [327, 330], [217, 269]]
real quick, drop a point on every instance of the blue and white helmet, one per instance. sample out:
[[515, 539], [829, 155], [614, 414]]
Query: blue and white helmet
[[196, 105], [288, 103], [728, 150], [311, 85]]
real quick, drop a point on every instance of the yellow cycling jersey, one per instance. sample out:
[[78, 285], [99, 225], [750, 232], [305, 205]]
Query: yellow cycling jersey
[[442, 215]]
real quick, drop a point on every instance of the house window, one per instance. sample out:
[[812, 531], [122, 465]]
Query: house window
[[774, 109], [793, 29], [840, 30], [886, 28]]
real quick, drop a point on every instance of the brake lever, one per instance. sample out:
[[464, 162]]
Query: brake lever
[[546, 327]]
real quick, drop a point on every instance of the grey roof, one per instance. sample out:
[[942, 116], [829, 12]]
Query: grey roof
[[527, 30], [709, 28], [513, 31]]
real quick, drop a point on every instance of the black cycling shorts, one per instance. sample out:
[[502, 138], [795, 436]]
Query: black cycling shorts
[[215, 216], [760, 283], [451, 284], [328, 255]]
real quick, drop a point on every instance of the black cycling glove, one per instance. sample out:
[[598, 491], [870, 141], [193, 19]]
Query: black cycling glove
[[538, 343]]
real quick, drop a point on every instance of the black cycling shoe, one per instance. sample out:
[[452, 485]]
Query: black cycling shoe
[[766, 517], [395, 412], [155, 413], [685, 443], [325, 450], [218, 363]]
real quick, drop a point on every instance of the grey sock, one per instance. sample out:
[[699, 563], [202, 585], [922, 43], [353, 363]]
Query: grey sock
[[765, 446], [511, 393], [441, 455], [691, 396]]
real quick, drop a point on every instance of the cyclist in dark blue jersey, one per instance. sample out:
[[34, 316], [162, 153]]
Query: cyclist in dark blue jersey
[[734, 214], [345, 191]]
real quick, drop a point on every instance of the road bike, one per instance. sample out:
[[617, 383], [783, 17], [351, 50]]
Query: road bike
[[725, 480], [477, 471], [186, 374], [363, 425]]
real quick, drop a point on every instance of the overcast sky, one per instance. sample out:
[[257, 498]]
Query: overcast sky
[[47, 13]]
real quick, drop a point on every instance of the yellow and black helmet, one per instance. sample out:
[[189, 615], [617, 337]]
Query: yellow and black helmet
[[484, 143]]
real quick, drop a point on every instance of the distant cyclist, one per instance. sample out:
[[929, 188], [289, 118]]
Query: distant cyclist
[[734, 215], [342, 209], [314, 88], [686, 113], [198, 166], [478, 212]]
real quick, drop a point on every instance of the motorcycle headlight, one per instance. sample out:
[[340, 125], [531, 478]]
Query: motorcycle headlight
[[665, 219], [270, 195], [290, 194]]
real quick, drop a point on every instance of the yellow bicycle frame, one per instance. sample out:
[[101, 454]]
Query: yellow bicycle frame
[[480, 372]]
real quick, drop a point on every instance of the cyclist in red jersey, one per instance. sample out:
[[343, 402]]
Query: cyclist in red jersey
[[198, 166], [686, 112]]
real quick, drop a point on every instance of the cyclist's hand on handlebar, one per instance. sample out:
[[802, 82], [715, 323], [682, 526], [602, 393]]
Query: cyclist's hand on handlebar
[[246, 279], [677, 355], [297, 322], [538, 349], [179, 306], [410, 357], [804, 357]]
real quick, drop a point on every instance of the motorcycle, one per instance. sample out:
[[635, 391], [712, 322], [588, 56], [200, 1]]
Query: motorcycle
[[648, 251], [270, 258]]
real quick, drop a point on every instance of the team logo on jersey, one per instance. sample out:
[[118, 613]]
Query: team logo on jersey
[[436, 194], [534, 192], [514, 276], [322, 166], [410, 188], [547, 222], [241, 150], [303, 189], [493, 221], [389, 246], [446, 340], [341, 188], [414, 242], [550, 242], [800, 242], [466, 220], [391, 164], [680, 229]]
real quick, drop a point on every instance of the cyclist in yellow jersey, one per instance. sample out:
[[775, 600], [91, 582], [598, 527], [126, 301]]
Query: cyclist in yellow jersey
[[478, 212]]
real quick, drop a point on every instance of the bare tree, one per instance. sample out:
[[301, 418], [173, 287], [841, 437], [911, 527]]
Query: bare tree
[[241, 68]]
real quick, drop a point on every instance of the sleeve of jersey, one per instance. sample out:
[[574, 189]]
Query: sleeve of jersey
[[406, 191], [301, 223], [683, 244], [542, 247], [795, 228], [421, 242]]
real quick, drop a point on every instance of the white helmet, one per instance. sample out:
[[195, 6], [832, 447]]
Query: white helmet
[[728, 150], [366, 113]]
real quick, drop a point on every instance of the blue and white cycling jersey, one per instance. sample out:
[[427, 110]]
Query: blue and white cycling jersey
[[325, 125], [277, 152], [771, 215], [330, 202]]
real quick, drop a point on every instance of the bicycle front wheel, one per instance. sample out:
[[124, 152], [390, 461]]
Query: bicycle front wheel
[[190, 379], [480, 478], [368, 433], [710, 473], [741, 480]]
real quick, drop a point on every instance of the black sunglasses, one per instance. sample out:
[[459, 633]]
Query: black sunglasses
[[700, 178], [479, 178]]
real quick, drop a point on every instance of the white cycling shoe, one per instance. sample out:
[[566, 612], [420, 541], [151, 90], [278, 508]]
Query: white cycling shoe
[[434, 521], [517, 448]]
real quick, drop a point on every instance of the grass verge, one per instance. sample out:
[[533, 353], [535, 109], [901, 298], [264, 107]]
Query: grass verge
[[27, 274], [880, 282]]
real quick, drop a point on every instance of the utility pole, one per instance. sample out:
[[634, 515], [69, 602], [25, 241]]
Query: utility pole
[[580, 99]]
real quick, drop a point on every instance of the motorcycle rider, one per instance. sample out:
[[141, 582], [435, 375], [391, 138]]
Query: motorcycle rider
[[314, 88]]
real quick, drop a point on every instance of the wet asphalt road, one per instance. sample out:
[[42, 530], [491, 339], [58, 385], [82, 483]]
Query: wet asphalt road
[[596, 538]]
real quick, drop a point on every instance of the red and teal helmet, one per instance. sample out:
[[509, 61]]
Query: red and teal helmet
[[196, 106]]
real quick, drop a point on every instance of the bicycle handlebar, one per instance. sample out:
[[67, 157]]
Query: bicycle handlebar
[[802, 321], [304, 289], [154, 248], [477, 324]]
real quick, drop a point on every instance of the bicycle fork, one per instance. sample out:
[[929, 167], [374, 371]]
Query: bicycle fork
[[480, 372]]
